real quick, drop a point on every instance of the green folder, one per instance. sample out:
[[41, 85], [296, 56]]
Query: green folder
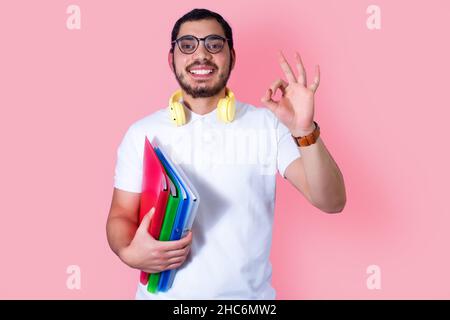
[[166, 228]]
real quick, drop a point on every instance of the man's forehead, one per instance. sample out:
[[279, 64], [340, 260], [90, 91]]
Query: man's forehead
[[201, 28]]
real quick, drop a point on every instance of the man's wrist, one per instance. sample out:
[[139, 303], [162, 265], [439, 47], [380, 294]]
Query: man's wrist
[[305, 139], [303, 132], [125, 255]]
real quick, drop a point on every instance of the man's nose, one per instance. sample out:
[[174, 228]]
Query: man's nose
[[201, 52]]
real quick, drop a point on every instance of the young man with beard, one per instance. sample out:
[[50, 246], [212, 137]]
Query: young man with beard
[[231, 152]]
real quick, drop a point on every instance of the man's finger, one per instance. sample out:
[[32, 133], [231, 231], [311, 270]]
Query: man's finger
[[175, 260], [145, 223], [300, 69], [173, 266], [286, 68], [268, 102], [316, 81], [178, 253], [176, 244], [280, 83]]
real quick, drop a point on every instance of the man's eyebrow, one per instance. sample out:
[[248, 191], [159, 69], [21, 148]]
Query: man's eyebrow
[[211, 34]]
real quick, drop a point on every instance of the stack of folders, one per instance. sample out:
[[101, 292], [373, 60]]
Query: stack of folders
[[165, 187]]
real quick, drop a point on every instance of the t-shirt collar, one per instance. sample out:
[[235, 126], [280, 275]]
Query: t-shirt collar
[[192, 116]]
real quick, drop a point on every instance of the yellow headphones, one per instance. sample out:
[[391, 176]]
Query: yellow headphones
[[226, 108]]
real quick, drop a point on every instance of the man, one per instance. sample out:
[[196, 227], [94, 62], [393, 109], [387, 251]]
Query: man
[[232, 165]]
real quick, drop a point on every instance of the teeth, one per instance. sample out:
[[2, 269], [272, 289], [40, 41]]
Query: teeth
[[201, 71]]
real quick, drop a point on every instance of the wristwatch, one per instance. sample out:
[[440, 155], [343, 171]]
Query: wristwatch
[[309, 139]]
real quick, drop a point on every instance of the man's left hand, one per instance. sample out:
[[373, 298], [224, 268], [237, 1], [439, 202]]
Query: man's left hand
[[295, 109]]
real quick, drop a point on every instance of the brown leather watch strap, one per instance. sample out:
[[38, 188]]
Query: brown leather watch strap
[[308, 139]]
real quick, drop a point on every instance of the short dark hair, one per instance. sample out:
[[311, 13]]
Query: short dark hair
[[201, 14]]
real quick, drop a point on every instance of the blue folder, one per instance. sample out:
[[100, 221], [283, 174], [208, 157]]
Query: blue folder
[[185, 214]]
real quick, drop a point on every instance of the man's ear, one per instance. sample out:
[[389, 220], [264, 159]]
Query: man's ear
[[170, 60], [233, 58]]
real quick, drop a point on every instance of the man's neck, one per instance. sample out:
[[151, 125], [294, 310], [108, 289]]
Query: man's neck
[[203, 105]]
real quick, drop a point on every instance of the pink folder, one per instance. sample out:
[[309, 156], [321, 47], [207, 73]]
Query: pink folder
[[155, 192]]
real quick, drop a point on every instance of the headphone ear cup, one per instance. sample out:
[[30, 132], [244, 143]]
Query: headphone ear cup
[[177, 114], [226, 109], [231, 109]]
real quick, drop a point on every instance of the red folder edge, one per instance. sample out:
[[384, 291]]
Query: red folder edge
[[155, 192]]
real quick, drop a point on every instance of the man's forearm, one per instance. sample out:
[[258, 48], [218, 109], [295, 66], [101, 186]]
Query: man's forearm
[[120, 231], [325, 181]]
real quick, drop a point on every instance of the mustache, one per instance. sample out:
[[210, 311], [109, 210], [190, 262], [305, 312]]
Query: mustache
[[201, 64]]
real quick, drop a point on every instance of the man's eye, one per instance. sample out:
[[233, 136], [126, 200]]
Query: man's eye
[[215, 45], [187, 45]]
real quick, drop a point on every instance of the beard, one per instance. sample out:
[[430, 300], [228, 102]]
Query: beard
[[203, 92]]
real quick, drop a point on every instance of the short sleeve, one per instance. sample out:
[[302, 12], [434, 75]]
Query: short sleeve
[[288, 151], [128, 170]]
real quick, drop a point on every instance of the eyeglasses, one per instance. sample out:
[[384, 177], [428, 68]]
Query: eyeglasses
[[188, 44]]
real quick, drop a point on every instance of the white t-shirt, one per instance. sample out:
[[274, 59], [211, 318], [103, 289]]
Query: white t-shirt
[[233, 167]]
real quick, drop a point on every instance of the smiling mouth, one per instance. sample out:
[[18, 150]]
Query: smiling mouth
[[201, 73]]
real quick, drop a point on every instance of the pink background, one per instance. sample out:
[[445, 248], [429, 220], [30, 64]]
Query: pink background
[[67, 97]]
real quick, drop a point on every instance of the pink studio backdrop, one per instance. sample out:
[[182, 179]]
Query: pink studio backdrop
[[67, 97]]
